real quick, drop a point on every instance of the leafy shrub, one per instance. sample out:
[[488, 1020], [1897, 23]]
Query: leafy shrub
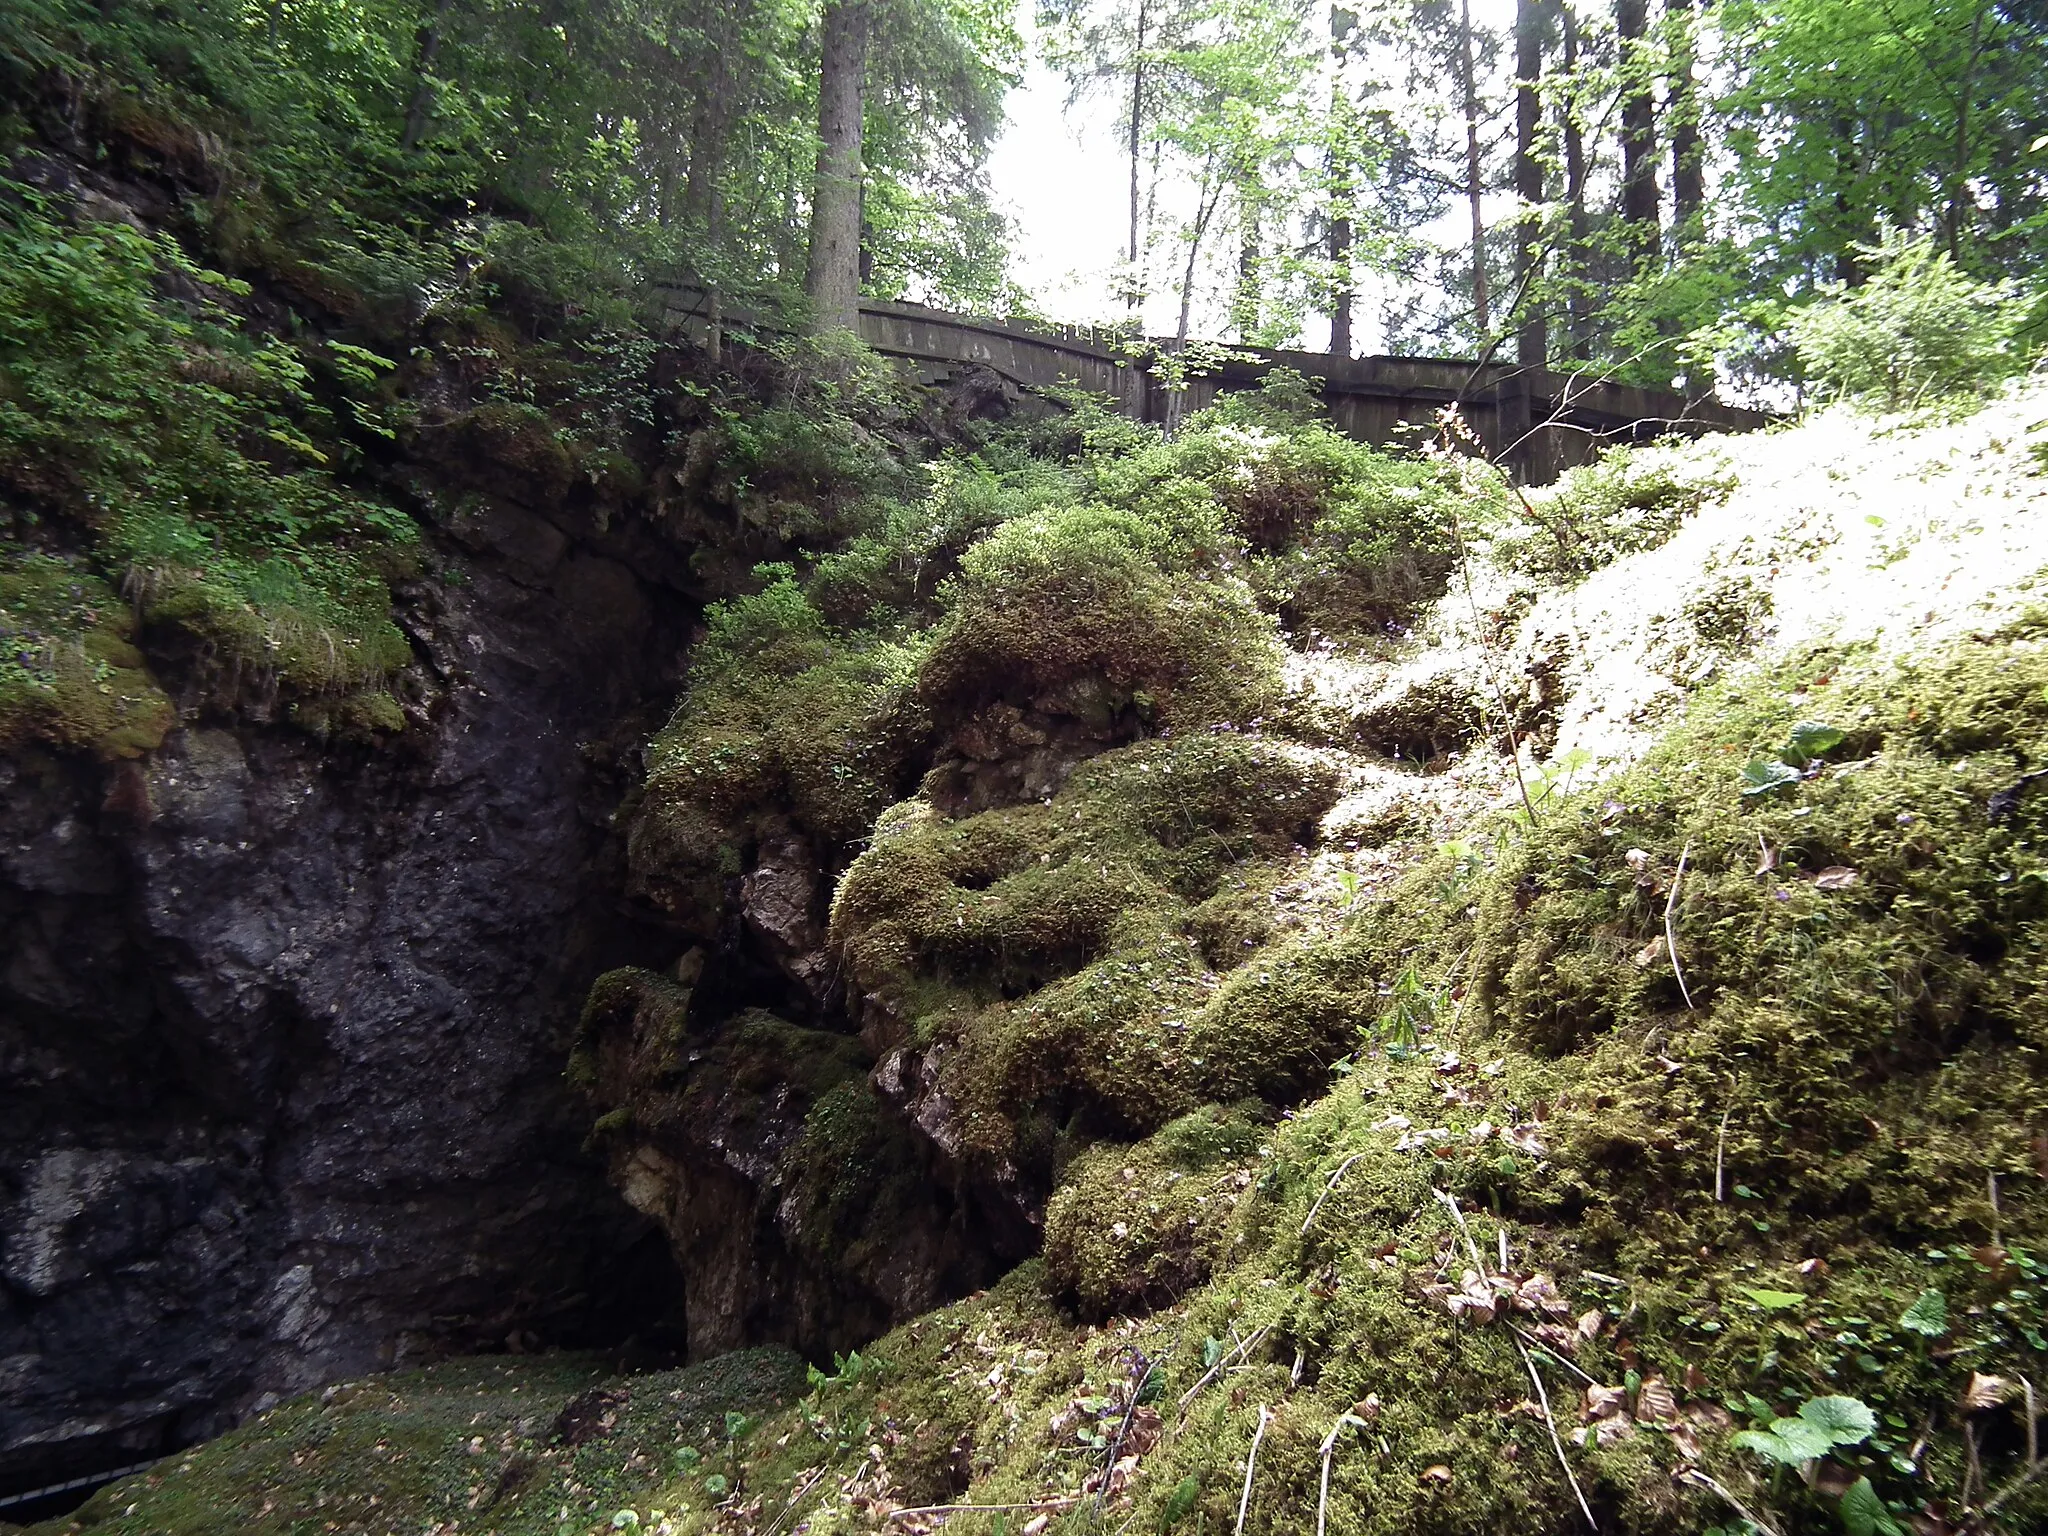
[[185, 448], [897, 567], [1917, 330]]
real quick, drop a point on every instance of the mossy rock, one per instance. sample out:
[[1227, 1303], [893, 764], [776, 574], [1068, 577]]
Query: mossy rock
[[1086, 596], [1131, 1228], [1049, 952], [70, 675]]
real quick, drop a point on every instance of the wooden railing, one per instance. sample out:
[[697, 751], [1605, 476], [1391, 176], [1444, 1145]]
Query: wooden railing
[[1538, 421]]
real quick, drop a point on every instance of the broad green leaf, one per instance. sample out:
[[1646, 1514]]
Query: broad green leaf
[[1787, 1442], [1810, 738], [1761, 775], [1775, 1301], [1864, 1514], [1928, 1316], [1844, 1420]]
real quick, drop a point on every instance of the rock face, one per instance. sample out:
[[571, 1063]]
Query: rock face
[[283, 1025]]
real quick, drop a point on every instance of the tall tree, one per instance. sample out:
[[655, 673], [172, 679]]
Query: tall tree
[[832, 277], [1475, 185], [1578, 254], [1532, 336], [1340, 173], [1640, 199], [1682, 116]]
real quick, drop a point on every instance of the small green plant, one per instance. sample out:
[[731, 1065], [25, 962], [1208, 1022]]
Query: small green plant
[[846, 1371], [1821, 1425], [1412, 1009], [1804, 745]]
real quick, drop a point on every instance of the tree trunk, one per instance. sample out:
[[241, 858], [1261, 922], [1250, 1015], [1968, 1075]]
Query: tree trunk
[[1532, 338], [1136, 296], [1244, 303], [1475, 189], [1848, 268], [1342, 190], [1640, 199], [1960, 167], [1688, 153], [1578, 252], [832, 277], [1341, 293], [419, 112], [704, 187]]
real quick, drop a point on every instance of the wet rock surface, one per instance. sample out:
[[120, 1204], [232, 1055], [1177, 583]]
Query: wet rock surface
[[282, 1025]]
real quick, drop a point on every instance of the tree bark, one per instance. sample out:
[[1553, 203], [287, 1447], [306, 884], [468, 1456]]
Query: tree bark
[[1532, 338], [1640, 198], [419, 112], [1136, 296], [832, 276], [1244, 303], [1959, 170], [1475, 189], [1688, 153], [1578, 250], [1342, 190]]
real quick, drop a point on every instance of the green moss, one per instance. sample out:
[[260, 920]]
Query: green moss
[[500, 1444], [1095, 597], [782, 720], [69, 674], [1045, 952], [1137, 1227], [1626, 501]]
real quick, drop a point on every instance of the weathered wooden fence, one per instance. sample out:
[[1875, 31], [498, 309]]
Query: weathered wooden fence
[[1536, 420]]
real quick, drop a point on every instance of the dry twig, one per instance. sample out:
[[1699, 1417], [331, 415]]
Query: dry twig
[[1700, 1479], [1721, 1158], [1670, 929], [796, 1498], [1067, 1501], [1222, 1363], [1556, 1440], [1251, 1462], [1328, 1185]]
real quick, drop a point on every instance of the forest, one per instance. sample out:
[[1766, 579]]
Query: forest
[[634, 898]]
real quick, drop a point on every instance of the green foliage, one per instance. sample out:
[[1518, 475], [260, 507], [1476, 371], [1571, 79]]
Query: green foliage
[[1823, 1424], [190, 451], [1918, 330], [69, 672]]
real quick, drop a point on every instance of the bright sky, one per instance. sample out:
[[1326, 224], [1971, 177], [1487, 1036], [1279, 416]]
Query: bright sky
[[1061, 175]]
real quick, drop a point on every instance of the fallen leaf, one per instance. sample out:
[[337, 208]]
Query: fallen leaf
[[1655, 1402], [1604, 1403], [1836, 877], [1538, 1293], [1590, 1323], [1367, 1407], [1651, 952], [1813, 1266], [1523, 1138], [1985, 1392], [1436, 1474], [1766, 856]]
